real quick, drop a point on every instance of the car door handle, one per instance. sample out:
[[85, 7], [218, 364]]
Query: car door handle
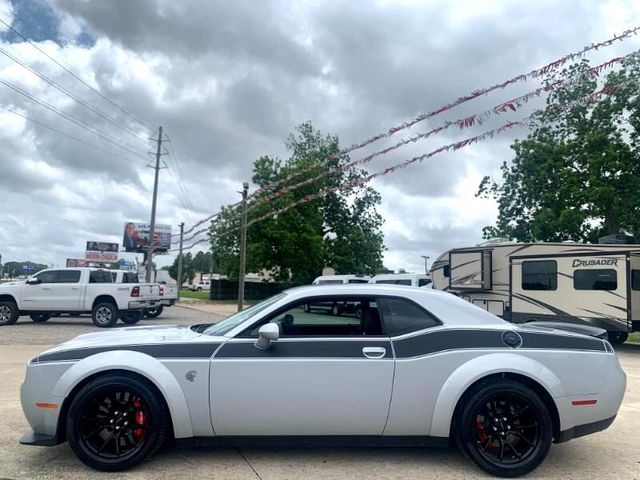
[[46, 288], [75, 288], [374, 352]]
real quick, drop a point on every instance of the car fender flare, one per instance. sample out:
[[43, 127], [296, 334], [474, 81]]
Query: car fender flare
[[136, 362], [473, 370]]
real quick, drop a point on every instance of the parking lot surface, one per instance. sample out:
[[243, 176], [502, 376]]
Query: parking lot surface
[[612, 454]]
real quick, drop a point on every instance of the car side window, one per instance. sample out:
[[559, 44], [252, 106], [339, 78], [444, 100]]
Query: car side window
[[99, 276], [48, 277], [403, 316], [326, 317], [68, 276]]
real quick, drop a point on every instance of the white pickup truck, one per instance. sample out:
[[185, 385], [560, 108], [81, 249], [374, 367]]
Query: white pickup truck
[[74, 291], [168, 294]]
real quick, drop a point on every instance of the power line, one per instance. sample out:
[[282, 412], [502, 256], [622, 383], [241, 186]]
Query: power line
[[10, 27], [71, 137], [68, 117], [71, 95]]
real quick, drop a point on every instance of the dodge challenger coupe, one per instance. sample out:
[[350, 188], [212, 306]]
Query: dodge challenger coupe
[[416, 367]]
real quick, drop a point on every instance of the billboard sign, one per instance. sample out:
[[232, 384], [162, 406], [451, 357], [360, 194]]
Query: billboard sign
[[78, 262], [136, 237], [101, 252]]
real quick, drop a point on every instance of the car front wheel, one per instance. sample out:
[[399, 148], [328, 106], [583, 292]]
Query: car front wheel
[[116, 421], [104, 315], [617, 338], [504, 427], [8, 313]]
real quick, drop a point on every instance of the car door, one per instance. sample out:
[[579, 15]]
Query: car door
[[326, 374], [37, 296], [65, 293]]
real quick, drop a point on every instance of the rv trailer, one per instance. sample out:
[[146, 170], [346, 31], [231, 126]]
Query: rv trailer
[[568, 282]]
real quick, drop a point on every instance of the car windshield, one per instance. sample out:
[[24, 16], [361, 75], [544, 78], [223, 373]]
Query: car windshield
[[231, 322]]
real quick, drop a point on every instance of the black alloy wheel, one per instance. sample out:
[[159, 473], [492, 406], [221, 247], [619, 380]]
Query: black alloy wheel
[[505, 428], [115, 422], [40, 317], [154, 312], [617, 338]]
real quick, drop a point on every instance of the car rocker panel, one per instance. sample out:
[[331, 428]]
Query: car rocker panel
[[239, 383]]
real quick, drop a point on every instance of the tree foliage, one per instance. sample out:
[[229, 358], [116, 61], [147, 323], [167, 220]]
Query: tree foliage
[[341, 229], [188, 269], [576, 176]]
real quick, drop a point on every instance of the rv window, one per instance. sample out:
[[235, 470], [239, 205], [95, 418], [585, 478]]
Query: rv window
[[395, 282], [601, 279], [446, 271], [635, 279], [539, 275], [358, 281]]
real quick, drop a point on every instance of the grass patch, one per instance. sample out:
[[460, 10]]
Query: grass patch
[[204, 295], [634, 337]]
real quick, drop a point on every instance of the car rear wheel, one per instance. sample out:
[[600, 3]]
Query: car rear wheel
[[115, 422], [504, 428], [154, 312], [131, 318], [40, 317], [8, 313], [617, 338], [104, 315]]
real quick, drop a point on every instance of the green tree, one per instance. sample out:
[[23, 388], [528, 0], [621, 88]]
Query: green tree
[[340, 229], [188, 269], [14, 269], [576, 176]]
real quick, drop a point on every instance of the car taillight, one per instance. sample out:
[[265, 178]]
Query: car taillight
[[161, 291], [135, 291]]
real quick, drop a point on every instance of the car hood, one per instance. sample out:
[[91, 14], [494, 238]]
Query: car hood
[[122, 337]]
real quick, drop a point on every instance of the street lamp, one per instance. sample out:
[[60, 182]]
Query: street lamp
[[426, 263]]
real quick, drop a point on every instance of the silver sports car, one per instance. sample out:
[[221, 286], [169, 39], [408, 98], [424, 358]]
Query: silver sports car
[[411, 367]]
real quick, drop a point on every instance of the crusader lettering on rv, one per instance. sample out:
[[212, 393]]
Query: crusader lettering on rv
[[594, 262]]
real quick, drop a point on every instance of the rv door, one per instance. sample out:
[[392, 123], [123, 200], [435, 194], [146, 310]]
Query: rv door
[[634, 287], [470, 269]]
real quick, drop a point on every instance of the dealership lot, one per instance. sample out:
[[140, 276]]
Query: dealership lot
[[610, 454]]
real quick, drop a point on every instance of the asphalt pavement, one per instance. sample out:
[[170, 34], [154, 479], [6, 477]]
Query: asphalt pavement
[[612, 454]]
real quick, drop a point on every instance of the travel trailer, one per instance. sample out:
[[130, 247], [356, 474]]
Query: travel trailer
[[339, 279], [596, 284]]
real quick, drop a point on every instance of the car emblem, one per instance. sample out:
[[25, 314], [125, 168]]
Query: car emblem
[[191, 375]]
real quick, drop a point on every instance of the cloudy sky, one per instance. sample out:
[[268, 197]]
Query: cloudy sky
[[229, 80]]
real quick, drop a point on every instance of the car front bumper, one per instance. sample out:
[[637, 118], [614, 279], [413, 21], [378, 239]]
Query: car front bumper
[[40, 440]]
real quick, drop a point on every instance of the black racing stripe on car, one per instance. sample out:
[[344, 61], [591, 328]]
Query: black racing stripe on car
[[440, 341], [183, 350], [303, 349]]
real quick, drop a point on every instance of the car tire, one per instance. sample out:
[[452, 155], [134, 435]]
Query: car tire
[[199, 289], [617, 338], [131, 318], [140, 422], [503, 427], [104, 315], [8, 313], [40, 317], [154, 312]]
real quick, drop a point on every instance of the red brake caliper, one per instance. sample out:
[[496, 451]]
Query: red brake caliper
[[481, 436], [139, 418]]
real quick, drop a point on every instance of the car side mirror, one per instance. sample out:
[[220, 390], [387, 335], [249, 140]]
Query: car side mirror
[[269, 332], [33, 281]]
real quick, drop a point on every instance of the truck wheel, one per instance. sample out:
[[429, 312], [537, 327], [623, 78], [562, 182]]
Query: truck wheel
[[116, 421], [154, 312], [8, 313], [503, 427], [40, 317], [199, 289], [617, 338], [131, 318], [104, 315]]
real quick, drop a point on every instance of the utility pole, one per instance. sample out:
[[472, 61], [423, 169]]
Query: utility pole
[[152, 228], [180, 261], [426, 264], [243, 245]]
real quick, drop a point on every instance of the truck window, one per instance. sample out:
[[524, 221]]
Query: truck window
[[130, 278], [539, 275], [99, 276], [600, 279], [635, 279], [357, 280], [48, 277], [67, 276], [423, 281]]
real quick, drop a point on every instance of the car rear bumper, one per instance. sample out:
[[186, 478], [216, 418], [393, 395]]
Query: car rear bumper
[[168, 303], [586, 429], [142, 304]]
